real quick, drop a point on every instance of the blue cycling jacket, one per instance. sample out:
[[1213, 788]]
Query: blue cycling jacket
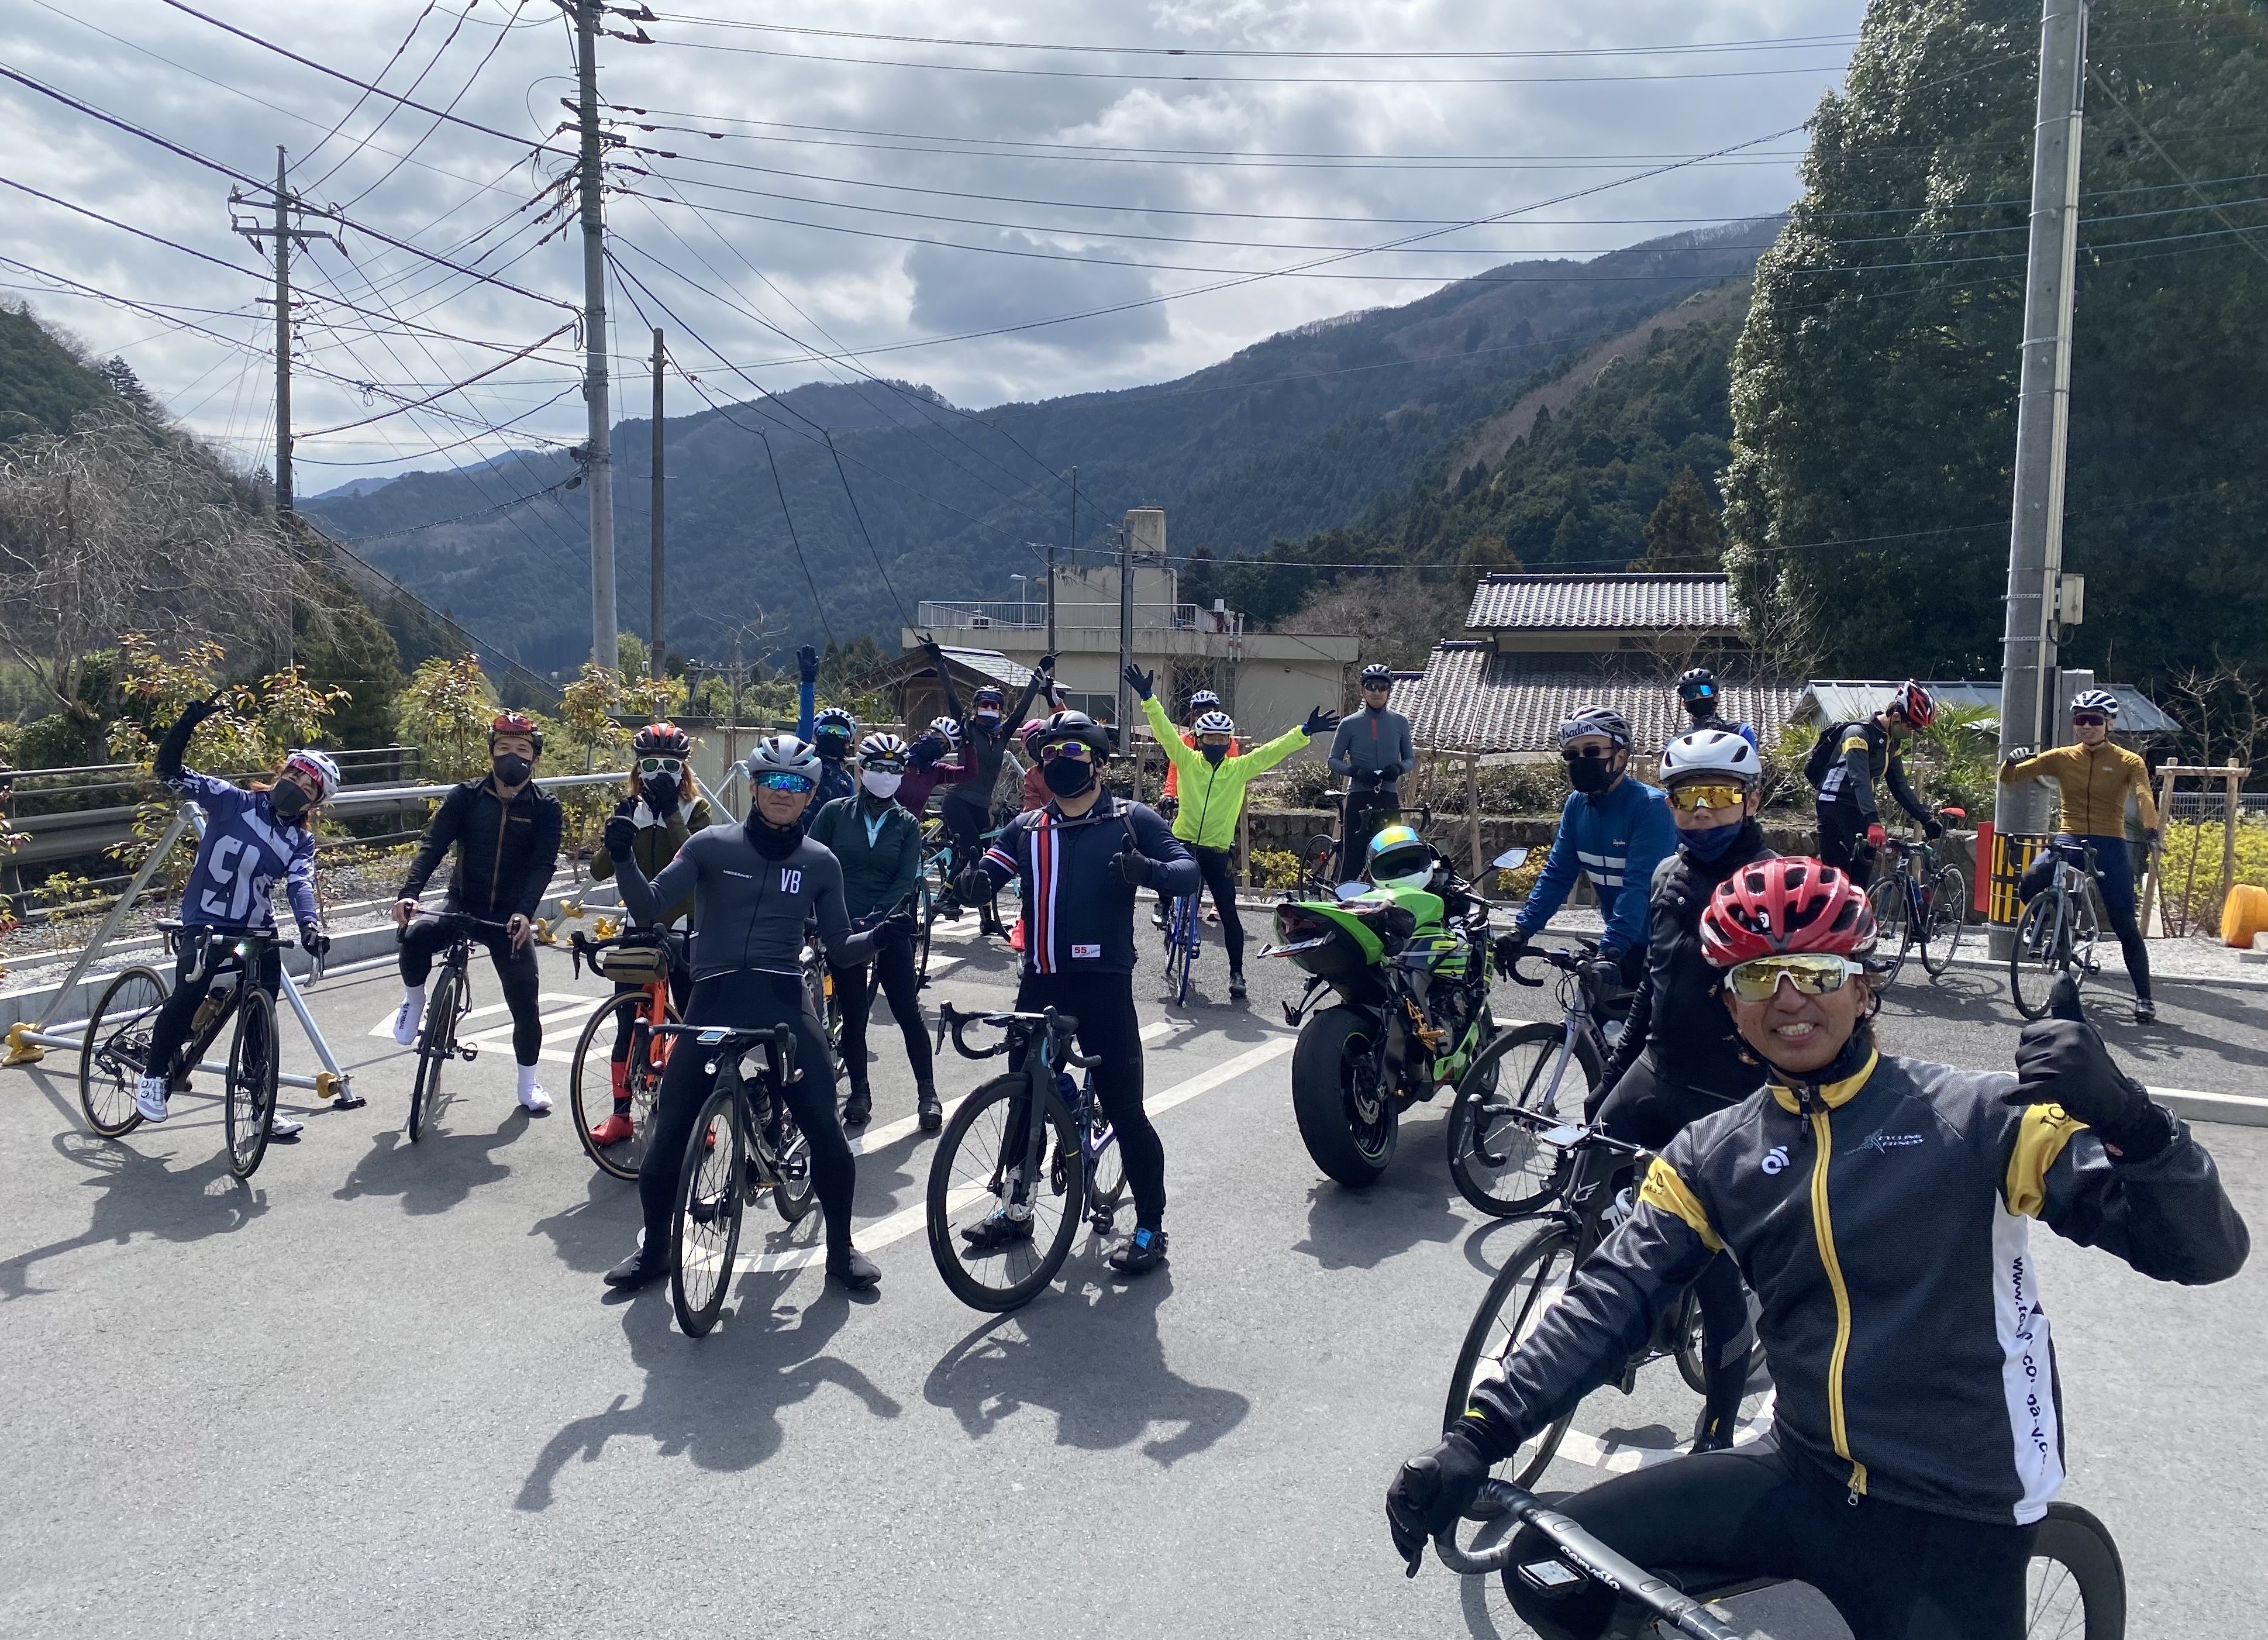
[[1615, 838], [246, 852]]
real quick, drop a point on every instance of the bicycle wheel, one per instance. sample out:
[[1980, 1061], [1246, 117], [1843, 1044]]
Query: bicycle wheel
[[251, 1080], [795, 1194], [1532, 1281], [1316, 861], [975, 1174], [1496, 1160], [1947, 920], [1890, 900], [2037, 958], [436, 1044], [1180, 947], [2075, 1587], [924, 915], [591, 1087], [1106, 1173], [116, 1048], [704, 1221]]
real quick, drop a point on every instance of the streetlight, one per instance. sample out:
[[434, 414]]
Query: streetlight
[[1022, 583]]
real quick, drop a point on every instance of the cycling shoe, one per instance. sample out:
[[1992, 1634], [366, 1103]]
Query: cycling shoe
[[1142, 1252], [998, 1231], [853, 1268]]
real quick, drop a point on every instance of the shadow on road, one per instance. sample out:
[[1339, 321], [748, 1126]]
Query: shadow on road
[[437, 1172], [715, 1400], [1351, 1229], [1095, 1359], [598, 1231]]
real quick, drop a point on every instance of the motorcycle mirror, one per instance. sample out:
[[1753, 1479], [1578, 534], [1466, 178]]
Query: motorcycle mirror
[[1509, 860]]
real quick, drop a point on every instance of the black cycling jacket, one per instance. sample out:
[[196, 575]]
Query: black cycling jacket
[[505, 851], [987, 744], [748, 911], [1881, 1221], [1866, 750]]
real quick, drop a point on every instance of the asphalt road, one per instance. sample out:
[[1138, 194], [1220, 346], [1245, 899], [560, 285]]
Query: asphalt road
[[380, 1388]]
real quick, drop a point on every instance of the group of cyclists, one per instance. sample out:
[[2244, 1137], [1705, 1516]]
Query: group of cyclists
[[1875, 1207]]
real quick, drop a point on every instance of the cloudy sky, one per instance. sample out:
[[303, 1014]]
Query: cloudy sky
[[853, 186]]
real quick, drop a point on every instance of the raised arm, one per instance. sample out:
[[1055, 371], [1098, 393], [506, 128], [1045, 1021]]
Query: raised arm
[[646, 900], [945, 678], [807, 669], [1032, 685], [1170, 741]]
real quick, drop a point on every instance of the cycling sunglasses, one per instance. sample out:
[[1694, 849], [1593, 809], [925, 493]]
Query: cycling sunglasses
[[1078, 751], [2088, 720], [780, 779], [1814, 973], [1576, 754], [1698, 795], [1697, 692], [661, 766]]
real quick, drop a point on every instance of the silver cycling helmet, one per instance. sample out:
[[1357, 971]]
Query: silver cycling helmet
[[884, 752], [783, 755], [1595, 720], [308, 760], [1215, 722], [949, 727], [2095, 701], [1702, 752]]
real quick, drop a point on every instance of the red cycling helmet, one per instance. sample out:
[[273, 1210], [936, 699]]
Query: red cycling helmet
[[510, 722], [1029, 734], [1913, 703], [662, 739], [1788, 903]]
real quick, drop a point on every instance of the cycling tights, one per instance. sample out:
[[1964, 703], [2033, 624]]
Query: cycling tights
[[1218, 866], [2114, 879], [1843, 840], [1103, 1005], [171, 1028], [515, 971], [892, 973], [1893, 1573]]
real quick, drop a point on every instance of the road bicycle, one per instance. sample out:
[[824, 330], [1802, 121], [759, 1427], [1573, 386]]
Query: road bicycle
[[2057, 934], [620, 1035], [445, 1011], [1530, 1079], [1919, 903], [1007, 1194], [1184, 940], [745, 1142], [2075, 1585], [1536, 1277], [115, 1052]]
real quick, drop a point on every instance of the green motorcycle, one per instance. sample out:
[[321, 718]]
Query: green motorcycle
[[1409, 968]]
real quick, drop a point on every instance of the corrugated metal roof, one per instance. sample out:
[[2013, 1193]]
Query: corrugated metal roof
[[1846, 700], [982, 664], [1472, 697], [1583, 603]]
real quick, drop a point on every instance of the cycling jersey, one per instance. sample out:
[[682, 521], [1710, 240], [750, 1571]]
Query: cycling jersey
[[2094, 780], [1618, 836], [880, 847], [1881, 1221], [505, 851], [659, 838], [1212, 794], [245, 852], [1079, 913], [1373, 747], [749, 910], [1866, 751]]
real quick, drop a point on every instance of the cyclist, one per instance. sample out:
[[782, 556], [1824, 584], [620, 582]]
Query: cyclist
[[1872, 1201], [880, 847], [830, 730], [252, 839], [657, 807], [1846, 775], [931, 762], [1080, 859], [1216, 780], [1615, 829], [754, 885], [968, 808], [1372, 750], [506, 830], [1202, 702], [2093, 778], [1679, 1057], [1696, 692]]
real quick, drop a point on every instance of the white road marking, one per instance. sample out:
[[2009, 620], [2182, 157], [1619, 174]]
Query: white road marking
[[1616, 1459]]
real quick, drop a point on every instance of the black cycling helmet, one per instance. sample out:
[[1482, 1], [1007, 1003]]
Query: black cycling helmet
[[1075, 726], [1699, 684], [1378, 676]]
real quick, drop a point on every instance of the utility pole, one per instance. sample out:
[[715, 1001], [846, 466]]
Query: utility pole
[[1126, 639], [659, 625], [599, 471], [285, 233], [1051, 560], [2027, 666]]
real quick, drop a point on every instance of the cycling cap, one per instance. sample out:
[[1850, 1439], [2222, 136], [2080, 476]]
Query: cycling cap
[[884, 752], [783, 755], [1705, 753], [1400, 858], [1378, 676], [1029, 734], [1216, 722], [308, 761], [661, 740], [1595, 720], [1913, 703], [950, 728], [1205, 701], [1697, 683], [1075, 726], [834, 720], [2097, 701], [1786, 904], [516, 723]]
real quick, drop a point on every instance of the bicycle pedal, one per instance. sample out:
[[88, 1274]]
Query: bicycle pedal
[[468, 1053]]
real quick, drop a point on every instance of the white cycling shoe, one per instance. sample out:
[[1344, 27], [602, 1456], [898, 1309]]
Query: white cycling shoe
[[282, 1127], [407, 1018], [533, 1100], [150, 1099]]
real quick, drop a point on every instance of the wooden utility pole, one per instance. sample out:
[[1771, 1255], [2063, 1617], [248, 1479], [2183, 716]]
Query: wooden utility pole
[[659, 626]]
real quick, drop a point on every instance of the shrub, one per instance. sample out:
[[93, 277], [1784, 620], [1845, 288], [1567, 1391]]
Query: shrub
[[1274, 868]]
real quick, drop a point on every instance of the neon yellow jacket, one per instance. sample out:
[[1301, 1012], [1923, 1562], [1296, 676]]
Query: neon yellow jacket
[[1213, 796]]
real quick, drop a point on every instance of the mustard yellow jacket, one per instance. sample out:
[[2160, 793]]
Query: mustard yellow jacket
[[2095, 781]]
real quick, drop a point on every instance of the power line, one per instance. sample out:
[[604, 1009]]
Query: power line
[[308, 158]]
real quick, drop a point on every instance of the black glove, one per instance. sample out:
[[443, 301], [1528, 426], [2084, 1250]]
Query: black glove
[[1431, 1493], [1323, 720], [622, 831], [1605, 973], [974, 886], [197, 711], [806, 664], [315, 942], [2150, 838], [1932, 830], [2062, 1061], [893, 930], [1131, 868], [1506, 950], [1047, 667], [1139, 680]]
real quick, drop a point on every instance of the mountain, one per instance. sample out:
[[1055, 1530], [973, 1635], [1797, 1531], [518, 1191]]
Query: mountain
[[44, 383], [1295, 434]]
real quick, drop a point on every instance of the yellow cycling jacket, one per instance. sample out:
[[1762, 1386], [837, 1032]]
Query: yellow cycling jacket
[[2094, 782], [1212, 796]]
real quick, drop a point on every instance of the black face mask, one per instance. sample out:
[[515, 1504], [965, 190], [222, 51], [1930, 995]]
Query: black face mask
[[1067, 777], [288, 800], [1213, 754], [833, 747], [512, 770], [1591, 775], [769, 839], [660, 793]]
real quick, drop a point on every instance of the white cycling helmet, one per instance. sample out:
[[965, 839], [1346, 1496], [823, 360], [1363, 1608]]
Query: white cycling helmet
[[883, 751], [1720, 752], [2095, 701], [783, 755], [950, 728], [1215, 722], [308, 761]]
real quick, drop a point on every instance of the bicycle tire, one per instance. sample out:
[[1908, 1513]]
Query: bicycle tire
[[1948, 921], [2036, 959], [591, 1092], [1474, 1142], [427, 1092], [1106, 1174], [1180, 947], [795, 1195], [1891, 901], [1012, 1276], [1546, 1259], [250, 1115], [1315, 862], [115, 1050], [2075, 1571], [924, 914], [705, 1215]]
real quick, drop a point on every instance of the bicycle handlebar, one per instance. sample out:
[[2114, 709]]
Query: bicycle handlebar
[[1063, 1026], [1582, 1552], [739, 1038], [1566, 961]]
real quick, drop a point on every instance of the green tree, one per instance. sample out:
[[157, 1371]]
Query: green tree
[[1683, 531]]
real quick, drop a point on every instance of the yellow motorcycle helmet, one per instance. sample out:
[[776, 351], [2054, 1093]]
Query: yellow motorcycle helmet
[[1400, 858]]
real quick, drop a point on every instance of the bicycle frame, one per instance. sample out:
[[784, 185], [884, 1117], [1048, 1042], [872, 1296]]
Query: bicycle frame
[[219, 1009]]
